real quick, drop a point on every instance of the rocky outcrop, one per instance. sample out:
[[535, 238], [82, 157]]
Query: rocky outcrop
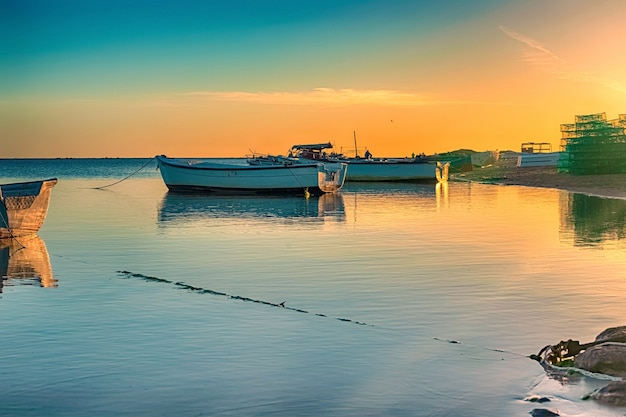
[[613, 334], [607, 358], [612, 394], [605, 355], [543, 412]]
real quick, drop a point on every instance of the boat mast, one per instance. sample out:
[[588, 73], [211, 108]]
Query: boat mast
[[356, 150]]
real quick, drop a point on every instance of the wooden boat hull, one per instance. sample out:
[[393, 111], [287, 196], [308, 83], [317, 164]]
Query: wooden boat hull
[[23, 207], [186, 176]]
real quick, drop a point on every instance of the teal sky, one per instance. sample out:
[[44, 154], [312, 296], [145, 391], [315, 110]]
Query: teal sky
[[102, 47], [216, 78]]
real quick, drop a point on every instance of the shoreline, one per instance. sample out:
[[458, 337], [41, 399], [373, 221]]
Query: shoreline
[[505, 172]]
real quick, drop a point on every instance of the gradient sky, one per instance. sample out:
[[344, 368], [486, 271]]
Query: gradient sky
[[136, 78]]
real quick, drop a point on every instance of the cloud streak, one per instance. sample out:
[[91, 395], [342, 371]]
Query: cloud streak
[[320, 96], [539, 56], [316, 97], [535, 53], [531, 43]]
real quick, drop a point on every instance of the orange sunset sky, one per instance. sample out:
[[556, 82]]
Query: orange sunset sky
[[210, 79]]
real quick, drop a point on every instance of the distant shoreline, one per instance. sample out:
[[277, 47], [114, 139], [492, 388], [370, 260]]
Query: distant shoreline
[[505, 172]]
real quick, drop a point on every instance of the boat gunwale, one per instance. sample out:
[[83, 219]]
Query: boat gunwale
[[47, 180], [175, 163]]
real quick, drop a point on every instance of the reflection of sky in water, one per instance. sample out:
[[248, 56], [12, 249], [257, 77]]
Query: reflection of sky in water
[[483, 265]]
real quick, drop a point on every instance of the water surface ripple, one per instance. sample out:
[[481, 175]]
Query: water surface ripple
[[451, 287]]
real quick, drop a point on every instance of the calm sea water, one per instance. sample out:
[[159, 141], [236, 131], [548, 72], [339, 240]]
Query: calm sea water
[[399, 299]]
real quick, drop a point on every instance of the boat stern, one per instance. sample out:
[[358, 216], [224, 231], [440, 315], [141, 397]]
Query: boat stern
[[441, 171], [331, 176]]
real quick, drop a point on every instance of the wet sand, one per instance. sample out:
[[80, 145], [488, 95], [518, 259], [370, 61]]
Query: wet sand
[[507, 173]]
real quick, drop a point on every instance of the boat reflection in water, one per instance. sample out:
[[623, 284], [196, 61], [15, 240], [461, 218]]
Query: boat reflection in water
[[25, 261], [441, 194], [179, 208], [593, 221]]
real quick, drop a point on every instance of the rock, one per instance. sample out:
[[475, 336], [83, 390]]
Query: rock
[[607, 358], [612, 394], [543, 412], [537, 399], [613, 334]]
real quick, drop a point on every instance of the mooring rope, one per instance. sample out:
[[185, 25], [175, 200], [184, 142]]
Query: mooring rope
[[307, 194], [201, 290], [456, 342], [125, 178]]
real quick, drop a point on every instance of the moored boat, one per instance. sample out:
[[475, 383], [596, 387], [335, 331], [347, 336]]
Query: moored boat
[[396, 170], [285, 177], [23, 207], [375, 169]]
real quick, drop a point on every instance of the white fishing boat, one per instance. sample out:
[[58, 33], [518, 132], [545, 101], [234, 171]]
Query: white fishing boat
[[375, 169], [286, 177], [396, 170], [23, 207]]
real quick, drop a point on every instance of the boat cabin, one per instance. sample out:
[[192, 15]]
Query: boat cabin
[[316, 151]]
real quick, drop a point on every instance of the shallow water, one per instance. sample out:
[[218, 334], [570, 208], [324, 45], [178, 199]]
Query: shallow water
[[399, 299]]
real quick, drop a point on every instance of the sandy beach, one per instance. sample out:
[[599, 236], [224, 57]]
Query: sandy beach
[[507, 173]]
